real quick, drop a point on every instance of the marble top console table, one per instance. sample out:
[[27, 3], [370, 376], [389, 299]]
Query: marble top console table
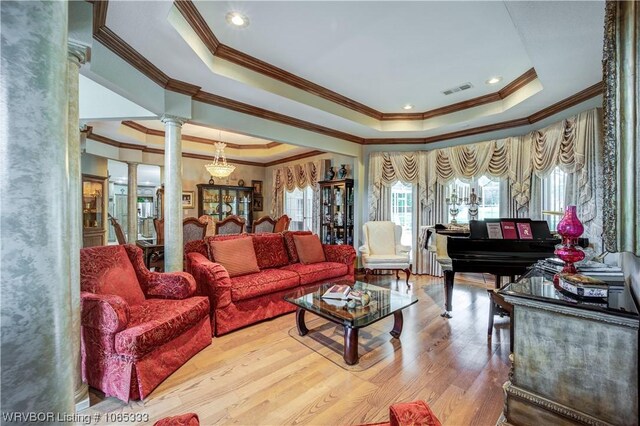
[[575, 361]]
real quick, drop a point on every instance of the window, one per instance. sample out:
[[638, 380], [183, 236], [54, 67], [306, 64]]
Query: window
[[402, 210], [488, 193], [298, 206], [552, 194]]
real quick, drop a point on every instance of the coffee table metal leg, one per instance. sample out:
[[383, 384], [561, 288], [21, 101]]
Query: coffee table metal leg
[[398, 321], [302, 328], [350, 345]]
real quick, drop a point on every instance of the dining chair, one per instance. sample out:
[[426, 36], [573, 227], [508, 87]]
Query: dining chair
[[159, 225], [118, 229], [210, 222], [193, 229], [282, 224], [263, 224], [230, 225]]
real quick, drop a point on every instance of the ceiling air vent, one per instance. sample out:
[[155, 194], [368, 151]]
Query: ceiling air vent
[[463, 86]]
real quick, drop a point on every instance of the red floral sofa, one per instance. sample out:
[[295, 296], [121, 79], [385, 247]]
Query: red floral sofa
[[137, 327], [246, 299]]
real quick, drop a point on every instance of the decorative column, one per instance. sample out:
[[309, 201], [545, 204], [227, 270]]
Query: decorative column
[[77, 56], [132, 203], [173, 248], [37, 369]]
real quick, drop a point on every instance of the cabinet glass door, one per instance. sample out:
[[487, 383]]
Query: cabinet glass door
[[92, 205], [244, 205], [227, 203], [211, 202]]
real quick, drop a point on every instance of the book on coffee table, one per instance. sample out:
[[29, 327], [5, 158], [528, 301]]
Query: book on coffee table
[[337, 291]]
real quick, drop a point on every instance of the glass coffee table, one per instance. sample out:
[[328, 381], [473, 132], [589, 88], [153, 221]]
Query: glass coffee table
[[384, 302]]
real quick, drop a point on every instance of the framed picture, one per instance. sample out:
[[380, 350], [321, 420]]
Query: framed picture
[[188, 199], [257, 187], [257, 203]]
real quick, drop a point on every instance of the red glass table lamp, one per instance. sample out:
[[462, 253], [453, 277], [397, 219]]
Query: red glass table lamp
[[569, 228]]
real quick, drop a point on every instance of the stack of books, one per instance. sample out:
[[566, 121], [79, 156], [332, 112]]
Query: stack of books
[[343, 293], [583, 286], [611, 274]]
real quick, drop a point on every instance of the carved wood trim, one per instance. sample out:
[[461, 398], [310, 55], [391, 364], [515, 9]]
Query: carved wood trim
[[99, 14], [294, 158], [518, 83], [193, 17], [452, 135], [112, 41], [153, 132], [568, 102], [182, 87], [198, 24], [118, 46], [112, 142], [211, 99]]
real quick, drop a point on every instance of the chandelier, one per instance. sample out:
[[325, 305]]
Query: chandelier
[[219, 167]]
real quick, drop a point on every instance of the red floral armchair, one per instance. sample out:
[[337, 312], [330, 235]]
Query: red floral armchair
[[415, 413], [138, 326]]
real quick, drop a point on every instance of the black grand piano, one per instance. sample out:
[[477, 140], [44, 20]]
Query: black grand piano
[[500, 257]]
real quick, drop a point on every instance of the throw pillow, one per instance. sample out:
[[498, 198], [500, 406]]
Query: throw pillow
[[291, 246], [237, 255], [309, 249], [270, 250]]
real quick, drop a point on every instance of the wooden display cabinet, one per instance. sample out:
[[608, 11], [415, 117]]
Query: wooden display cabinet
[[93, 210], [336, 202], [220, 201]]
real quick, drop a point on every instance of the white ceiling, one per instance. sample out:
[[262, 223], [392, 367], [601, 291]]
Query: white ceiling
[[382, 54], [148, 175], [385, 54]]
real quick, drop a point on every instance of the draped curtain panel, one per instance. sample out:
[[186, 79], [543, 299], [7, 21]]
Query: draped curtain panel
[[300, 176], [385, 169], [520, 162]]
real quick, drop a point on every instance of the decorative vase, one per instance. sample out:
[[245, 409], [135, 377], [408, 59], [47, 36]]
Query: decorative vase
[[569, 228], [342, 172], [331, 173]]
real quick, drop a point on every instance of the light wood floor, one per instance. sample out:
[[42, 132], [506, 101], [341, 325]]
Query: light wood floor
[[261, 375]]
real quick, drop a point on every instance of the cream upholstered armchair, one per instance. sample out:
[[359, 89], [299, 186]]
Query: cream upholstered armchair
[[382, 248]]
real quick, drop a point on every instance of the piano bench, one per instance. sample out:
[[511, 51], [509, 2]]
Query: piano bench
[[499, 306]]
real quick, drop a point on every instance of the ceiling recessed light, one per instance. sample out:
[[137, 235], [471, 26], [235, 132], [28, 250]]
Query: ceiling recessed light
[[237, 19], [494, 80], [407, 106]]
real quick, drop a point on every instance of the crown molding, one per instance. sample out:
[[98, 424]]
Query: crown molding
[[197, 22], [294, 158], [113, 42], [117, 144], [153, 132], [211, 99], [575, 99]]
